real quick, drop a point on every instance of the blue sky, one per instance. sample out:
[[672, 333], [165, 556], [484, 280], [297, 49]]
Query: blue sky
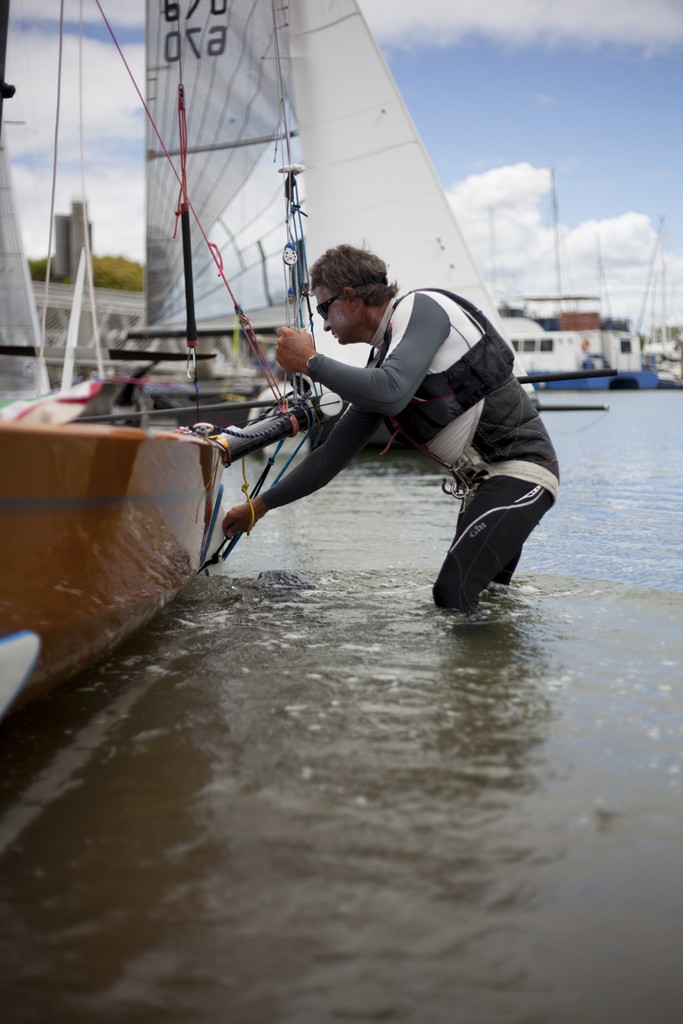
[[608, 119], [500, 92], [570, 88]]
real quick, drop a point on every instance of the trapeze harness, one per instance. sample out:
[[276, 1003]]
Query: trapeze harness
[[447, 394]]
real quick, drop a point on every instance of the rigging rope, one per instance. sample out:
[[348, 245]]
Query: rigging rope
[[247, 495], [229, 545], [43, 377], [86, 231], [293, 254]]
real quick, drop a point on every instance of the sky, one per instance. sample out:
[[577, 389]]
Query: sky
[[507, 97]]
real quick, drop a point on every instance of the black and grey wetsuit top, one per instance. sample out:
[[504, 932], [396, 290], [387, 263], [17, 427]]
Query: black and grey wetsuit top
[[424, 333]]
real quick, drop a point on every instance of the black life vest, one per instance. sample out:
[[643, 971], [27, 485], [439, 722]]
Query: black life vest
[[443, 396]]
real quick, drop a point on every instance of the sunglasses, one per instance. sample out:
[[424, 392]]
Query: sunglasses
[[323, 307]]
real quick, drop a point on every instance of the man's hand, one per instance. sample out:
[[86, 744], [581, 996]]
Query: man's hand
[[240, 518], [294, 349]]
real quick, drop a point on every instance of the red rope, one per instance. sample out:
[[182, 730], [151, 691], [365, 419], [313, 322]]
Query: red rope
[[183, 205]]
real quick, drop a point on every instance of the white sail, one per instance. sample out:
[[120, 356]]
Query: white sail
[[18, 317], [227, 56], [368, 179]]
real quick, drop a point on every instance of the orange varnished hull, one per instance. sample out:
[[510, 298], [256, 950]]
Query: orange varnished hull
[[99, 528]]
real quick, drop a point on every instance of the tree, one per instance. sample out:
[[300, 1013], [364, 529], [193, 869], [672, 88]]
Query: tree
[[108, 272], [37, 270], [118, 272]]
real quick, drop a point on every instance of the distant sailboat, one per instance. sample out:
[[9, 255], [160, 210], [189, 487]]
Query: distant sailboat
[[572, 341], [662, 352], [19, 328]]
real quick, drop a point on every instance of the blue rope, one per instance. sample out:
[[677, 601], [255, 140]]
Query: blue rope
[[299, 275], [269, 465]]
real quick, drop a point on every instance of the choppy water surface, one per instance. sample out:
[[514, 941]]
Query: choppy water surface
[[305, 795]]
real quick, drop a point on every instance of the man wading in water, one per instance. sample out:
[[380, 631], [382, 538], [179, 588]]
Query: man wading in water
[[441, 376]]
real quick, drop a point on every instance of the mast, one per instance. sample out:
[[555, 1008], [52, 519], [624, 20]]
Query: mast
[[556, 227], [6, 90], [651, 270], [665, 331]]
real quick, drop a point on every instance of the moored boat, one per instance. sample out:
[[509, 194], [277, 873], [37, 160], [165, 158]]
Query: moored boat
[[576, 341]]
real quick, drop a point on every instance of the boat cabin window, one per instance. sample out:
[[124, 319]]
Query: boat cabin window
[[515, 344], [529, 345], [546, 344], [625, 345]]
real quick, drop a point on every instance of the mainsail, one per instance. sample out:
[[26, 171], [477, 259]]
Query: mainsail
[[227, 57], [266, 79]]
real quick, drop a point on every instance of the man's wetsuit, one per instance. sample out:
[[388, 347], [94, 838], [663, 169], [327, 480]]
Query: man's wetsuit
[[425, 339]]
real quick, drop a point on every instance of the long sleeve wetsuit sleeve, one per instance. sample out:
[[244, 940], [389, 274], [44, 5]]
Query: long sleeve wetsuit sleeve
[[373, 393], [388, 388], [349, 435]]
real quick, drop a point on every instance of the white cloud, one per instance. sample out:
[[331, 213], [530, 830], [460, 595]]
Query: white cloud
[[123, 13], [113, 139], [506, 215], [650, 24]]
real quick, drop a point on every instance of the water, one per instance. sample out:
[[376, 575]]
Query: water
[[304, 795]]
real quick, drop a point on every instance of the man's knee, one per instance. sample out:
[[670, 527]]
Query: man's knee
[[452, 599]]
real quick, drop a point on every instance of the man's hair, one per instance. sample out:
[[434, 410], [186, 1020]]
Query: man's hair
[[345, 266]]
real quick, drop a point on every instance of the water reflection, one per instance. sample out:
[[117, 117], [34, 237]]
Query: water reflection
[[331, 801], [499, 703]]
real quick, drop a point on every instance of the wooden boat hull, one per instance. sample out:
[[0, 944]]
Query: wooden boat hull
[[100, 527]]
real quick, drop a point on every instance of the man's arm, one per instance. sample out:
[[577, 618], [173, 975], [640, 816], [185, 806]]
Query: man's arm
[[389, 388], [348, 436]]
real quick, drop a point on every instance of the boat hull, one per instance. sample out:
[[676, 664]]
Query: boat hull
[[100, 529], [627, 380]]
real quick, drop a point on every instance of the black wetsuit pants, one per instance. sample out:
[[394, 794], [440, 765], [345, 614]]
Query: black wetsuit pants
[[489, 539]]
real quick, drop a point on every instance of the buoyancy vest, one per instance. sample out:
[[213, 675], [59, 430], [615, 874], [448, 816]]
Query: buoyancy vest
[[447, 394]]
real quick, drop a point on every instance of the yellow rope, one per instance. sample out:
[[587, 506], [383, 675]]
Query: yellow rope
[[245, 488]]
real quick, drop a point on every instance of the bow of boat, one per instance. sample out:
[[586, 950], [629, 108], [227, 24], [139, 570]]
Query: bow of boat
[[100, 527]]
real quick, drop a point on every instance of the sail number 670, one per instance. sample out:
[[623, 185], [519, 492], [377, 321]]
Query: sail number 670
[[215, 37]]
